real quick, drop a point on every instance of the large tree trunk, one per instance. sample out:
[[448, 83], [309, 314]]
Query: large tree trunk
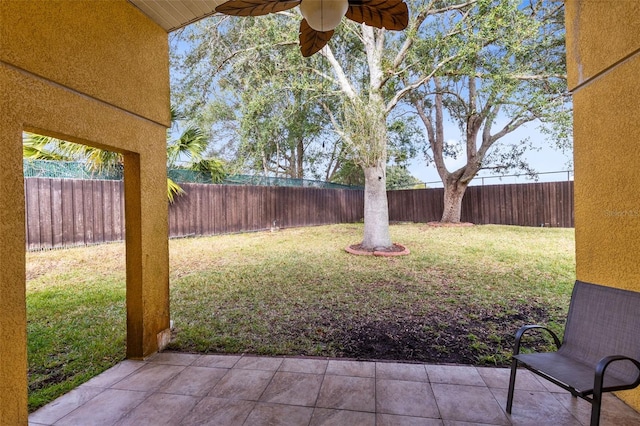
[[300, 159], [453, 193], [376, 208]]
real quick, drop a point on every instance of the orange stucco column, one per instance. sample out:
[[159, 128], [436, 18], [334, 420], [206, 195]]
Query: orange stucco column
[[603, 64], [13, 315], [94, 72], [147, 276]]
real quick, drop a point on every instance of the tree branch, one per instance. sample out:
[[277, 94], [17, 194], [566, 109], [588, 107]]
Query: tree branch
[[249, 49], [343, 81], [522, 77], [334, 122], [402, 93], [373, 48], [511, 126], [415, 26]]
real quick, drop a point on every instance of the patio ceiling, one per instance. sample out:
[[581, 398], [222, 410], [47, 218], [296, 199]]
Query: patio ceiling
[[175, 14]]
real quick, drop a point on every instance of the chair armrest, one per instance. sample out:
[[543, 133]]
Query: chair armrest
[[520, 333], [602, 366]]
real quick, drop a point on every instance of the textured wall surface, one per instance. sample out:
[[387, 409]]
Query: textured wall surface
[[600, 33], [13, 320], [95, 73], [83, 48], [603, 57]]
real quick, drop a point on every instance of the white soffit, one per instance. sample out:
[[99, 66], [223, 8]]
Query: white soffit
[[174, 14]]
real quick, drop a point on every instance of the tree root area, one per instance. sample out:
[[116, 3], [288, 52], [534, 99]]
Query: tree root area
[[395, 250]]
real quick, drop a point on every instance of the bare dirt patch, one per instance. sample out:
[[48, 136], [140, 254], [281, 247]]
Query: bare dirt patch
[[472, 335]]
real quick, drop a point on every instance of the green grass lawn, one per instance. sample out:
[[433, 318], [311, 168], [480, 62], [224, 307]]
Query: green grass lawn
[[458, 297]]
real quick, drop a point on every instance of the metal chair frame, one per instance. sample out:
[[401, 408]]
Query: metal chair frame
[[593, 395]]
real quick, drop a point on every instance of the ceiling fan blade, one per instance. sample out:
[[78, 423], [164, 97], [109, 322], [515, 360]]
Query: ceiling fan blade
[[255, 7], [311, 41], [389, 14]]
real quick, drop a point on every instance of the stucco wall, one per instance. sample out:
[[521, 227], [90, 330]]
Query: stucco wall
[[13, 331], [82, 47], [92, 72], [603, 56]]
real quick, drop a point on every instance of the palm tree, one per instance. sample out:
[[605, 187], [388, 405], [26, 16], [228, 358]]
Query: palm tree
[[35, 147], [191, 144]]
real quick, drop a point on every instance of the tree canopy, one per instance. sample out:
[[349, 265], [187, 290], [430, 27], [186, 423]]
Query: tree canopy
[[511, 72], [490, 66]]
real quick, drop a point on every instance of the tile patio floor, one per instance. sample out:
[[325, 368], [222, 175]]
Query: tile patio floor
[[188, 389]]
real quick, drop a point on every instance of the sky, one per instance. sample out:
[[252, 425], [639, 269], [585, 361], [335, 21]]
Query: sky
[[547, 159]]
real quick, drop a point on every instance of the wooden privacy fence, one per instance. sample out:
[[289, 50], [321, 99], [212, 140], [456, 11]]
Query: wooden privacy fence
[[219, 209], [527, 204], [73, 212], [70, 212]]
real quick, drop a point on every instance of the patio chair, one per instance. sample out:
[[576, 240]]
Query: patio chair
[[602, 335]]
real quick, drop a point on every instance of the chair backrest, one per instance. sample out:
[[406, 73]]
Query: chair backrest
[[603, 321]]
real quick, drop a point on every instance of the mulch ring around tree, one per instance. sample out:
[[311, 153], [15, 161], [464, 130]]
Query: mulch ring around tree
[[395, 250]]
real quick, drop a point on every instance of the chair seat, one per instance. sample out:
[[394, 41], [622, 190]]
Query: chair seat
[[579, 376]]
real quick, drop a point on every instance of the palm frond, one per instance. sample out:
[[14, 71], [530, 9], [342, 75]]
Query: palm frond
[[36, 147], [102, 161], [173, 189], [191, 143], [213, 166]]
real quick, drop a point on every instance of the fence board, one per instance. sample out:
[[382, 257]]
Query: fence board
[[98, 217], [68, 231], [206, 207], [87, 203], [258, 205], [56, 213], [78, 212], [117, 195], [33, 214], [64, 213], [107, 210], [200, 226], [46, 226], [215, 208], [193, 214]]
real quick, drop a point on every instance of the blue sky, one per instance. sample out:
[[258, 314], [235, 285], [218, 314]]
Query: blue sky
[[547, 159]]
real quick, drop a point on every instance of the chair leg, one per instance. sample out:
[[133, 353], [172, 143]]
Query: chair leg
[[595, 408], [512, 384]]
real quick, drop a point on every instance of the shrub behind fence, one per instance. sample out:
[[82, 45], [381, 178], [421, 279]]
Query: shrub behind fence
[[72, 212]]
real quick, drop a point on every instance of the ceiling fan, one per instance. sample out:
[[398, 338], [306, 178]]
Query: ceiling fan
[[321, 17]]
